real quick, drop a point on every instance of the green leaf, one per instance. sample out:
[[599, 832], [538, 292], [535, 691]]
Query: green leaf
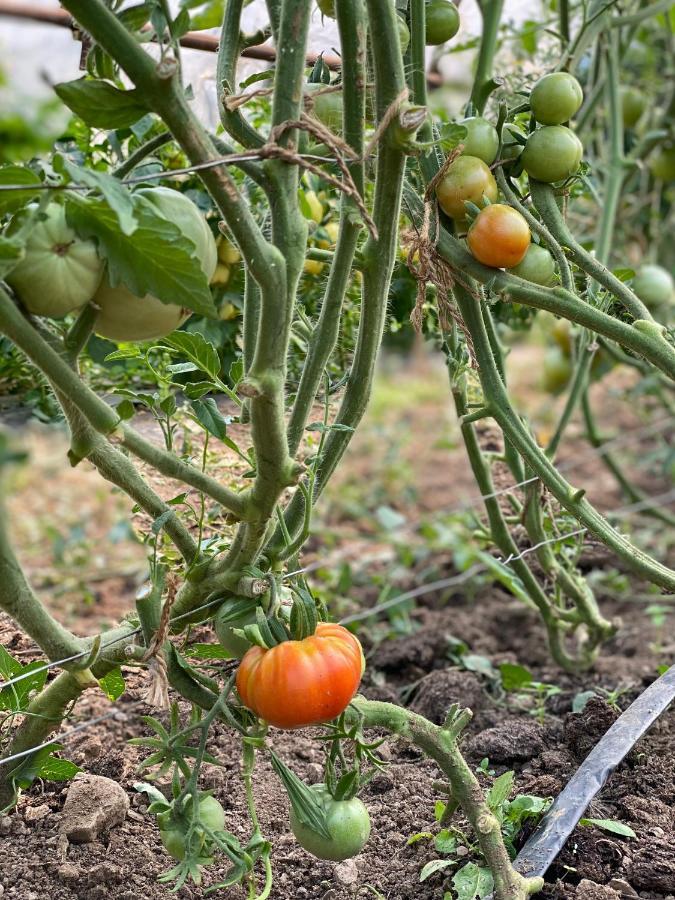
[[119, 198], [210, 17], [610, 825], [16, 175], [134, 17], [207, 651], [197, 349], [210, 417], [304, 801], [514, 677], [124, 353], [319, 426], [237, 371], [11, 253], [157, 259], [197, 389], [472, 881], [100, 104], [113, 684], [15, 697], [580, 701], [500, 791], [436, 865], [445, 841], [55, 769]]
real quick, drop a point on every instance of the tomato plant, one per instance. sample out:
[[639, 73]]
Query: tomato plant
[[557, 370], [552, 153], [499, 236], [347, 821], [662, 164], [300, 683], [632, 106], [60, 272], [654, 285], [468, 179], [442, 21], [556, 98]]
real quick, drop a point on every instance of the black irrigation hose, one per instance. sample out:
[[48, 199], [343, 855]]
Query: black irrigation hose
[[569, 806]]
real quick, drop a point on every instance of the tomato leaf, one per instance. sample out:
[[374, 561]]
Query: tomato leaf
[[113, 684], [55, 769], [197, 349], [210, 417], [514, 677], [119, 198], [436, 865], [16, 175], [500, 791], [100, 104], [157, 259]]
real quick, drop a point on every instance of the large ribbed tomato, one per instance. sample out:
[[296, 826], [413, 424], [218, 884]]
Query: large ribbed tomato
[[300, 683]]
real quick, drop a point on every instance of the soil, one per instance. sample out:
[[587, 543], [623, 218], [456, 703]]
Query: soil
[[419, 668]]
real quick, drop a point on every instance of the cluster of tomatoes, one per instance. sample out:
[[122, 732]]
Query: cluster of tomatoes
[[442, 21], [499, 235]]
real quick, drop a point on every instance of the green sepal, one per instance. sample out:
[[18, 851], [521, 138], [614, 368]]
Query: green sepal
[[304, 801]]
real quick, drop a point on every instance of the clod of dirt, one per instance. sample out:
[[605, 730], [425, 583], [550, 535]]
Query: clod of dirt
[[346, 872], [622, 887], [439, 690], [35, 813], [93, 805], [513, 741], [653, 867], [583, 730], [412, 654], [588, 890]]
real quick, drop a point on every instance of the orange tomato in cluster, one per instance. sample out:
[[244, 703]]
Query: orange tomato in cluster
[[499, 236], [300, 683]]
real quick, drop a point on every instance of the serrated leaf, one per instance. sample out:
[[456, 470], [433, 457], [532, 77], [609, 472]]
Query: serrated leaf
[[210, 417], [197, 349], [113, 684], [124, 353], [16, 175], [134, 17], [436, 865], [55, 769], [210, 17], [611, 826], [100, 104], [196, 389], [157, 259], [16, 696], [472, 881], [207, 651], [118, 197], [445, 841]]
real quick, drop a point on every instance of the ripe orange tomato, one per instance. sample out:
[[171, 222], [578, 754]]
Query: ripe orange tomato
[[499, 236], [300, 683], [467, 179]]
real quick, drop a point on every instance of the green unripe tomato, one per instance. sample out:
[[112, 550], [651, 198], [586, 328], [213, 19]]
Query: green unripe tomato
[[663, 164], [557, 370], [552, 153], [442, 22], [59, 272], [403, 33], [632, 106], [348, 823], [125, 317], [327, 8], [555, 98], [327, 106], [537, 266], [467, 179], [174, 842], [654, 286], [481, 139]]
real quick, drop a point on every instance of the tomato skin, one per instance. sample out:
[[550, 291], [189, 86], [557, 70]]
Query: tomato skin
[[552, 153], [482, 140], [300, 683], [557, 370], [327, 106], [59, 272], [348, 823], [632, 106], [555, 98], [499, 236], [654, 286], [537, 266], [442, 22], [125, 317], [467, 179], [663, 164], [174, 842]]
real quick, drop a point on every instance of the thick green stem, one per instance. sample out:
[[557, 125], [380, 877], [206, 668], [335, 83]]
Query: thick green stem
[[491, 10], [513, 428], [226, 76], [440, 744]]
